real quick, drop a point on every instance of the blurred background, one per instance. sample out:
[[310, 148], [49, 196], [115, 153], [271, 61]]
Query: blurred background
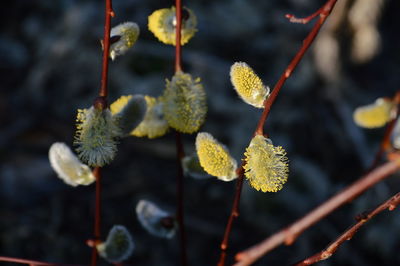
[[50, 64]]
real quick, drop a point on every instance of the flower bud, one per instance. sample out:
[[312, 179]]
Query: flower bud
[[118, 246], [248, 85], [68, 167], [376, 114], [162, 23], [215, 158], [126, 35]]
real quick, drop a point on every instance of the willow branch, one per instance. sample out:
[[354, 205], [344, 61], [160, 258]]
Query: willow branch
[[33, 262], [323, 13], [180, 153], [289, 234], [390, 204], [101, 103]]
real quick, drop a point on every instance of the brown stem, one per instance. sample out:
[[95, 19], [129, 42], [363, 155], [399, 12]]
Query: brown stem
[[178, 50], [179, 146], [97, 216], [33, 262], [180, 192], [390, 204], [323, 14], [234, 214], [106, 52], [289, 234]]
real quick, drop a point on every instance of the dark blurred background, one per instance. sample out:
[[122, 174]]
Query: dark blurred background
[[50, 62]]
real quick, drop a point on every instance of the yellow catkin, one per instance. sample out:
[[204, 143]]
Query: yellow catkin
[[128, 34], [374, 115], [154, 124], [162, 24], [184, 103], [118, 246], [266, 165], [248, 85], [215, 158]]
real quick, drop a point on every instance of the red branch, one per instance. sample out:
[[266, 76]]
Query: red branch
[[106, 52], [33, 262], [180, 153], [390, 204], [323, 13], [289, 234], [97, 216], [178, 31], [101, 102]]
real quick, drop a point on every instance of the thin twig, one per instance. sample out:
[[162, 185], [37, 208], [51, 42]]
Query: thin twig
[[180, 153], [289, 234], [234, 214], [97, 216], [101, 103], [324, 13], [33, 262], [390, 204]]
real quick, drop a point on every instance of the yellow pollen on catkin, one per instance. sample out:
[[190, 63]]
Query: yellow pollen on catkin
[[248, 85], [266, 165], [184, 103], [215, 158], [162, 24], [154, 124], [376, 114], [128, 34]]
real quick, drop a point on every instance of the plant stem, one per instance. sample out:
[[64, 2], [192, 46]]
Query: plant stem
[[323, 13], [234, 214], [180, 153], [106, 49], [180, 195], [390, 204], [97, 216], [289, 234], [101, 102], [178, 31], [33, 262]]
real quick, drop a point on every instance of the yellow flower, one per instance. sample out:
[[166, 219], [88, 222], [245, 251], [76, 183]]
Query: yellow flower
[[129, 111], [184, 103], [162, 23], [125, 34], [266, 165], [68, 167], [248, 85], [376, 114], [215, 158], [154, 124], [118, 246], [95, 136]]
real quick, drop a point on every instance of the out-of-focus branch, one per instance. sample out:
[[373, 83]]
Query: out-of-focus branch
[[33, 262], [289, 234], [390, 204]]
